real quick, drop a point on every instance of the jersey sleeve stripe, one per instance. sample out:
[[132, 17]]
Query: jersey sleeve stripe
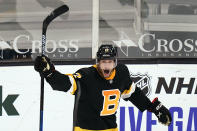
[[73, 82], [127, 93]]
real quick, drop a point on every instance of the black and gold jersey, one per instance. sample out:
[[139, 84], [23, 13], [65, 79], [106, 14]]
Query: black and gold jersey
[[97, 98]]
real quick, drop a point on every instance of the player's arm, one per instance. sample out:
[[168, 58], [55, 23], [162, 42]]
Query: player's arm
[[141, 101], [58, 81]]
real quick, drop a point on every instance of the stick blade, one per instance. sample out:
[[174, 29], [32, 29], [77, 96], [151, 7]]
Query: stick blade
[[57, 12], [62, 9]]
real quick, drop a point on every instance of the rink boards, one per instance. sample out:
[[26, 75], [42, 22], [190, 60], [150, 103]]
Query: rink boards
[[174, 85]]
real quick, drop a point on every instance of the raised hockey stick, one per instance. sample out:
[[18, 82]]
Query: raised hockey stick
[[57, 12]]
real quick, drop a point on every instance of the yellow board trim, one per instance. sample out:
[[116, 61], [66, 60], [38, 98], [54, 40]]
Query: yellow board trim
[[79, 129], [74, 84]]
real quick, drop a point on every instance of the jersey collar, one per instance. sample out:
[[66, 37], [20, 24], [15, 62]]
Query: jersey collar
[[107, 78]]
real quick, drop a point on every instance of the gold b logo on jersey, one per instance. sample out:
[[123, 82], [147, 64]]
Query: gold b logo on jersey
[[111, 101]]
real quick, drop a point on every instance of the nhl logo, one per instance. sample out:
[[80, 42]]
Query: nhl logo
[[142, 81]]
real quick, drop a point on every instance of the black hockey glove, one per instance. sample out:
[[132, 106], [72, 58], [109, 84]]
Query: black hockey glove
[[162, 113], [44, 66]]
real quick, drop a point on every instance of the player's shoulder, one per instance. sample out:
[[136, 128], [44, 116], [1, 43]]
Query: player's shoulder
[[122, 72], [121, 67], [86, 71]]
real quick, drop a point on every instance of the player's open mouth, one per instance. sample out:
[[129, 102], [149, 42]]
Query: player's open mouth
[[106, 72]]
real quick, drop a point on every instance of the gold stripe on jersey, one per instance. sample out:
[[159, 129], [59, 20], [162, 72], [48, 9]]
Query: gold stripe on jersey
[[80, 129], [112, 75], [77, 75], [127, 93], [74, 85]]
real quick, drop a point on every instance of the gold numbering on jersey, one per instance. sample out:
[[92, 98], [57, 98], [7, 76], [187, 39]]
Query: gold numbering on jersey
[[77, 75], [108, 101]]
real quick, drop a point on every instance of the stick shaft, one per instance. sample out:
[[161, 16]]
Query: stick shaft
[[57, 12]]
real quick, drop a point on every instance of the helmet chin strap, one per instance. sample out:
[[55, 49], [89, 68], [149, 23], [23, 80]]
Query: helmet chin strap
[[116, 62], [96, 61]]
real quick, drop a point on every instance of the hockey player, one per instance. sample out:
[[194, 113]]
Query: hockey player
[[98, 90]]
